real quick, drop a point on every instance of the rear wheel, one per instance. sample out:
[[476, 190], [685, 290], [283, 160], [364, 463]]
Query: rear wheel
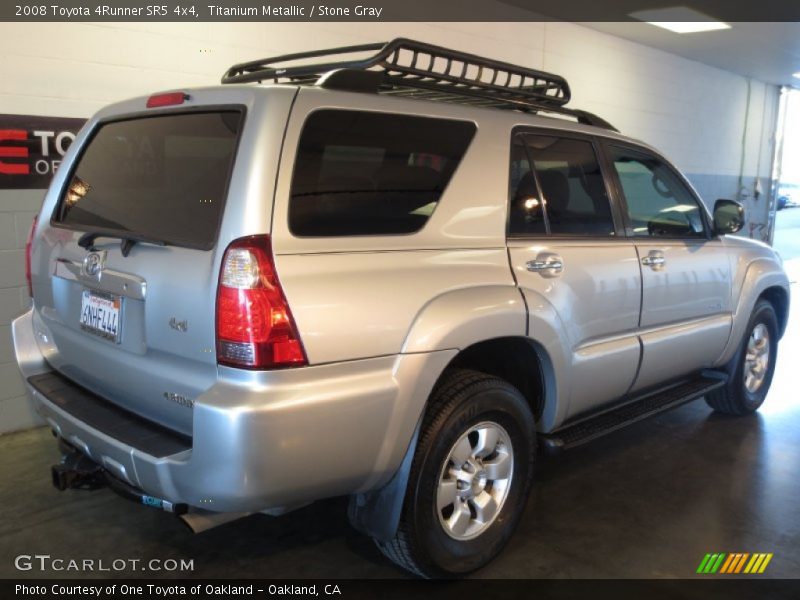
[[470, 477], [752, 368]]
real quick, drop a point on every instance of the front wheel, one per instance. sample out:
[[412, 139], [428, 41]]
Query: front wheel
[[753, 366], [470, 477]]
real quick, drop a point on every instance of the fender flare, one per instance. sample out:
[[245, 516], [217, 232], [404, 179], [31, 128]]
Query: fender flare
[[761, 274], [460, 318]]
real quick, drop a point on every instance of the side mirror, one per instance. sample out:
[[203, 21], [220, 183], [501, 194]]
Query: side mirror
[[728, 216]]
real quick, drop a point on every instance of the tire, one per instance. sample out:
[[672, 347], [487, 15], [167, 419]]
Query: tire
[[495, 420], [747, 388]]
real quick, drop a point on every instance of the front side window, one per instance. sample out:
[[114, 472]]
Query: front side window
[[567, 196], [659, 204], [366, 173]]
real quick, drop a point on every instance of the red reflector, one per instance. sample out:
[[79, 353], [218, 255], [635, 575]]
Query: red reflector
[[255, 328], [166, 99], [28, 252]]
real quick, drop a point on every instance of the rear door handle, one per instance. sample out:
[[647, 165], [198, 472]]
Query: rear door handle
[[547, 265]]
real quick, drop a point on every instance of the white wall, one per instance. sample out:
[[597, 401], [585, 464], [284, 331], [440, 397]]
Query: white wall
[[692, 112]]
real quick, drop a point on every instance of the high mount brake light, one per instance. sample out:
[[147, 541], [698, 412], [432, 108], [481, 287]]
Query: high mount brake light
[[170, 99]]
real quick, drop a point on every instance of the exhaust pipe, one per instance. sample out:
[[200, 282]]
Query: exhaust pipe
[[202, 520]]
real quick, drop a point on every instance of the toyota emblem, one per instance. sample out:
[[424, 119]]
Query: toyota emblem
[[93, 264]]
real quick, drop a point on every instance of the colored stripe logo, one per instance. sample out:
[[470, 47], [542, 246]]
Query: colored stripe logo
[[734, 563]]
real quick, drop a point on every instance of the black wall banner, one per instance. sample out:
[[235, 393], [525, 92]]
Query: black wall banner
[[31, 149]]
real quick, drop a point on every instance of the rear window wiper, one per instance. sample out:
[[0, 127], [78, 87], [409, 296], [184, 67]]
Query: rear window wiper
[[126, 242]]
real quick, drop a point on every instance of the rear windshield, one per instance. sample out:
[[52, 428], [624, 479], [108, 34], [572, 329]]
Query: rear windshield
[[161, 178], [366, 173]]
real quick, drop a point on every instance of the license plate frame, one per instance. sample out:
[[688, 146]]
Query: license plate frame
[[101, 315]]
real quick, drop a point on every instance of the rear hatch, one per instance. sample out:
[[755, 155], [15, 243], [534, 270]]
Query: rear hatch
[[130, 297]]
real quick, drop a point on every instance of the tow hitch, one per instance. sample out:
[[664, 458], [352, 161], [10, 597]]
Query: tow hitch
[[79, 472], [76, 471]]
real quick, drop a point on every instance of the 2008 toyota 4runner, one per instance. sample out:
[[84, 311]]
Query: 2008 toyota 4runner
[[383, 274]]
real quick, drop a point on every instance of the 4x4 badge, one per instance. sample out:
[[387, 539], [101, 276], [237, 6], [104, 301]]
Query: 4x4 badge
[[93, 263]]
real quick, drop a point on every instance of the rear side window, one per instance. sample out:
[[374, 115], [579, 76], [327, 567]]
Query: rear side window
[[526, 216], [162, 178], [366, 173], [566, 197]]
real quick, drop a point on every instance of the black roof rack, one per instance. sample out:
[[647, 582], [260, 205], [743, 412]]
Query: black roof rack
[[406, 67]]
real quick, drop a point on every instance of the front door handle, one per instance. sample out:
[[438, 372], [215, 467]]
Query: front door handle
[[655, 260], [547, 265]]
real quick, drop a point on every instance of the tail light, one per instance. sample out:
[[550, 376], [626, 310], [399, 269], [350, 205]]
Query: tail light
[[28, 251], [255, 328]]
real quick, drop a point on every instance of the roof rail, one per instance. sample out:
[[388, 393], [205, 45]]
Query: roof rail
[[406, 67]]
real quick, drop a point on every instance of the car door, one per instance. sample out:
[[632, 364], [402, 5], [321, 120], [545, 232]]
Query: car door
[[579, 277], [686, 276]]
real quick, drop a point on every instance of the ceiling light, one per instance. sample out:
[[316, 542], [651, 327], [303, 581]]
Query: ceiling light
[[679, 19], [796, 74], [690, 26]]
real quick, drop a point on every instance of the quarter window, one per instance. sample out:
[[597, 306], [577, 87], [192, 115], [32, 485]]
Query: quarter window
[[567, 195], [659, 204], [366, 173]]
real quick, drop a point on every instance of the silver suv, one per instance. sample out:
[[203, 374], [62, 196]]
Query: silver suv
[[385, 275]]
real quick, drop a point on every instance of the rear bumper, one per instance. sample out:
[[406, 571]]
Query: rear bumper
[[260, 440]]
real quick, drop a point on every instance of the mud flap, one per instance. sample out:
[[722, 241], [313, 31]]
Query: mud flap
[[377, 513]]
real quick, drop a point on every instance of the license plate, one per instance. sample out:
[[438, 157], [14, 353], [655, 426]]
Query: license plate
[[100, 314]]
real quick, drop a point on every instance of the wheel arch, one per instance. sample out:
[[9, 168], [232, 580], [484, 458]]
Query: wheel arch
[[521, 361], [763, 279], [778, 297]]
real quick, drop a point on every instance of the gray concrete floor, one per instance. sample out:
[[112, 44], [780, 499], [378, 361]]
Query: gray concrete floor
[[649, 501]]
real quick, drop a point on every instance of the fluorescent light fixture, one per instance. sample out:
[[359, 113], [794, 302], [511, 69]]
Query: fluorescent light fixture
[[690, 26], [679, 19]]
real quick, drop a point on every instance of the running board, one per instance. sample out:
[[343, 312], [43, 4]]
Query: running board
[[595, 426]]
